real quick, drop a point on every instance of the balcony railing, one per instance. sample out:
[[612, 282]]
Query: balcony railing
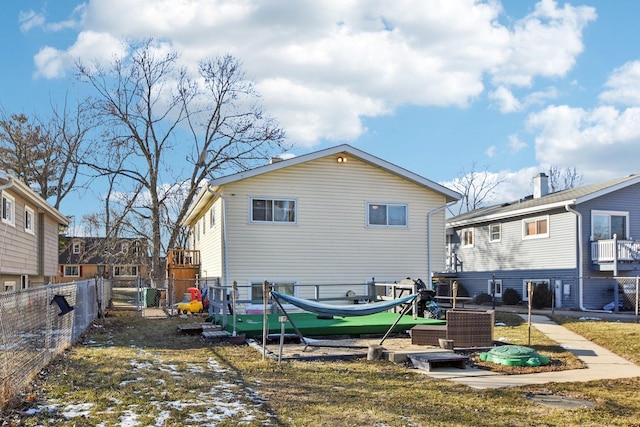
[[612, 250], [183, 258]]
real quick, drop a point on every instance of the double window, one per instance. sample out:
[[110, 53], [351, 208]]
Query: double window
[[8, 209], [287, 288], [387, 215], [125, 270], [604, 224], [71, 271], [281, 211], [533, 228]]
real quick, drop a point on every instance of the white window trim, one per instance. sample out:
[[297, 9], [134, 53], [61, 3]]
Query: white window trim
[[463, 240], [525, 292], [29, 228], [125, 266], [9, 286], [387, 204], [491, 239], [75, 248], [609, 214], [497, 282], [535, 236], [274, 199], [212, 217], [71, 275], [12, 212]]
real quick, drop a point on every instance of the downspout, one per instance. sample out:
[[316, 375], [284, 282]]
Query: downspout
[[580, 260], [429, 238], [224, 234]]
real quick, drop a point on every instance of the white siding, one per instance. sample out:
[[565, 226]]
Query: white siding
[[210, 243], [330, 243]]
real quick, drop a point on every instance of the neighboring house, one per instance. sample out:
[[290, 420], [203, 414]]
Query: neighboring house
[[332, 217], [120, 259], [576, 241], [29, 227]]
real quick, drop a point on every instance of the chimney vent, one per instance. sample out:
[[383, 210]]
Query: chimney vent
[[540, 185]]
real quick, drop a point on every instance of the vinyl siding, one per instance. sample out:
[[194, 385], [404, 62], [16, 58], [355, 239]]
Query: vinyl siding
[[210, 243], [20, 253], [513, 252], [330, 242]]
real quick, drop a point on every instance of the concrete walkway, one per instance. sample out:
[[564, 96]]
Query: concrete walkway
[[601, 363]]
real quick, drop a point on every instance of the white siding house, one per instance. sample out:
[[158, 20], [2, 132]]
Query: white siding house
[[336, 216]]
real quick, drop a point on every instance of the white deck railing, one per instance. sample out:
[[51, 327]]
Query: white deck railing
[[613, 249]]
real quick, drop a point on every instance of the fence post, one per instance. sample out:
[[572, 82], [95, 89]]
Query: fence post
[[637, 286]]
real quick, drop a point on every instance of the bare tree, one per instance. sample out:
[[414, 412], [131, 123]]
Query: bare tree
[[563, 179], [475, 187], [46, 154], [157, 114]]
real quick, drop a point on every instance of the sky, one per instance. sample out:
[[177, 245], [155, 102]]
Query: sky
[[438, 87]]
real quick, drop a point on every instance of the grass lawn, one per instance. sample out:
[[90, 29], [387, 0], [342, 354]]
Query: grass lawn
[[139, 372]]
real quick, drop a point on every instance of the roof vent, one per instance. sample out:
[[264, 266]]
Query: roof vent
[[275, 159]]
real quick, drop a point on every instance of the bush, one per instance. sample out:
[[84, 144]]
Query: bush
[[541, 296], [483, 298], [510, 297]]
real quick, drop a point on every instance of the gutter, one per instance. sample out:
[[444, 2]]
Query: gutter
[[429, 238]]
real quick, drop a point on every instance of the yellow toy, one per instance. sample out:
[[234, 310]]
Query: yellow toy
[[193, 306]]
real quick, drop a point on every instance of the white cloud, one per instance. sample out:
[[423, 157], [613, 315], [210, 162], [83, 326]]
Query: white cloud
[[597, 142], [491, 151], [623, 86], [29, 20], [507, 102], [323, 66], [515, 144]]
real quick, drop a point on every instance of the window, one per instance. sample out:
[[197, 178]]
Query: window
[[76, 247], [212, 218], [71, 271], [124, 246], [497, 287], [495, 232], [525, 292], [9, 286], [273, 210], [604, 224], [288, 288], [387, 215], [204, 225], [28, 220], [533, 228], [467, 237], [24, 281], [8, 209], [125, 270]]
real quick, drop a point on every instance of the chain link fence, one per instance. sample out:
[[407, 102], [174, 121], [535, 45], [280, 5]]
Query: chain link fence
[[37, 324]]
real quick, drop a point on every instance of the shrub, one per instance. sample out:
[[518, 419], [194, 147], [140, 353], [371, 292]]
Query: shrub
[[510, 297], [541, 296], [483, 298]]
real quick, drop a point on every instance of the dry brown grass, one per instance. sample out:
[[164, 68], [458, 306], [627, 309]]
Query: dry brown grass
[[133, 371]]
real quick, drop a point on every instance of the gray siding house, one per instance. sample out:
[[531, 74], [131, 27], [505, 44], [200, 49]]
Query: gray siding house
[[578, 241], [29, 244]]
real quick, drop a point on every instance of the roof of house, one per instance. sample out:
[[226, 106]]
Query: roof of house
[[204, 194], [530, 205], [26, 192], [102, 250]]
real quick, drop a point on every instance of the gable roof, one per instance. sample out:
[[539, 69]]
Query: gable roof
[[529, 205], [18, 187], [448, 194]]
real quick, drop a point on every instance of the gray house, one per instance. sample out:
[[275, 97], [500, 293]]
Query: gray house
[[577, 241]]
